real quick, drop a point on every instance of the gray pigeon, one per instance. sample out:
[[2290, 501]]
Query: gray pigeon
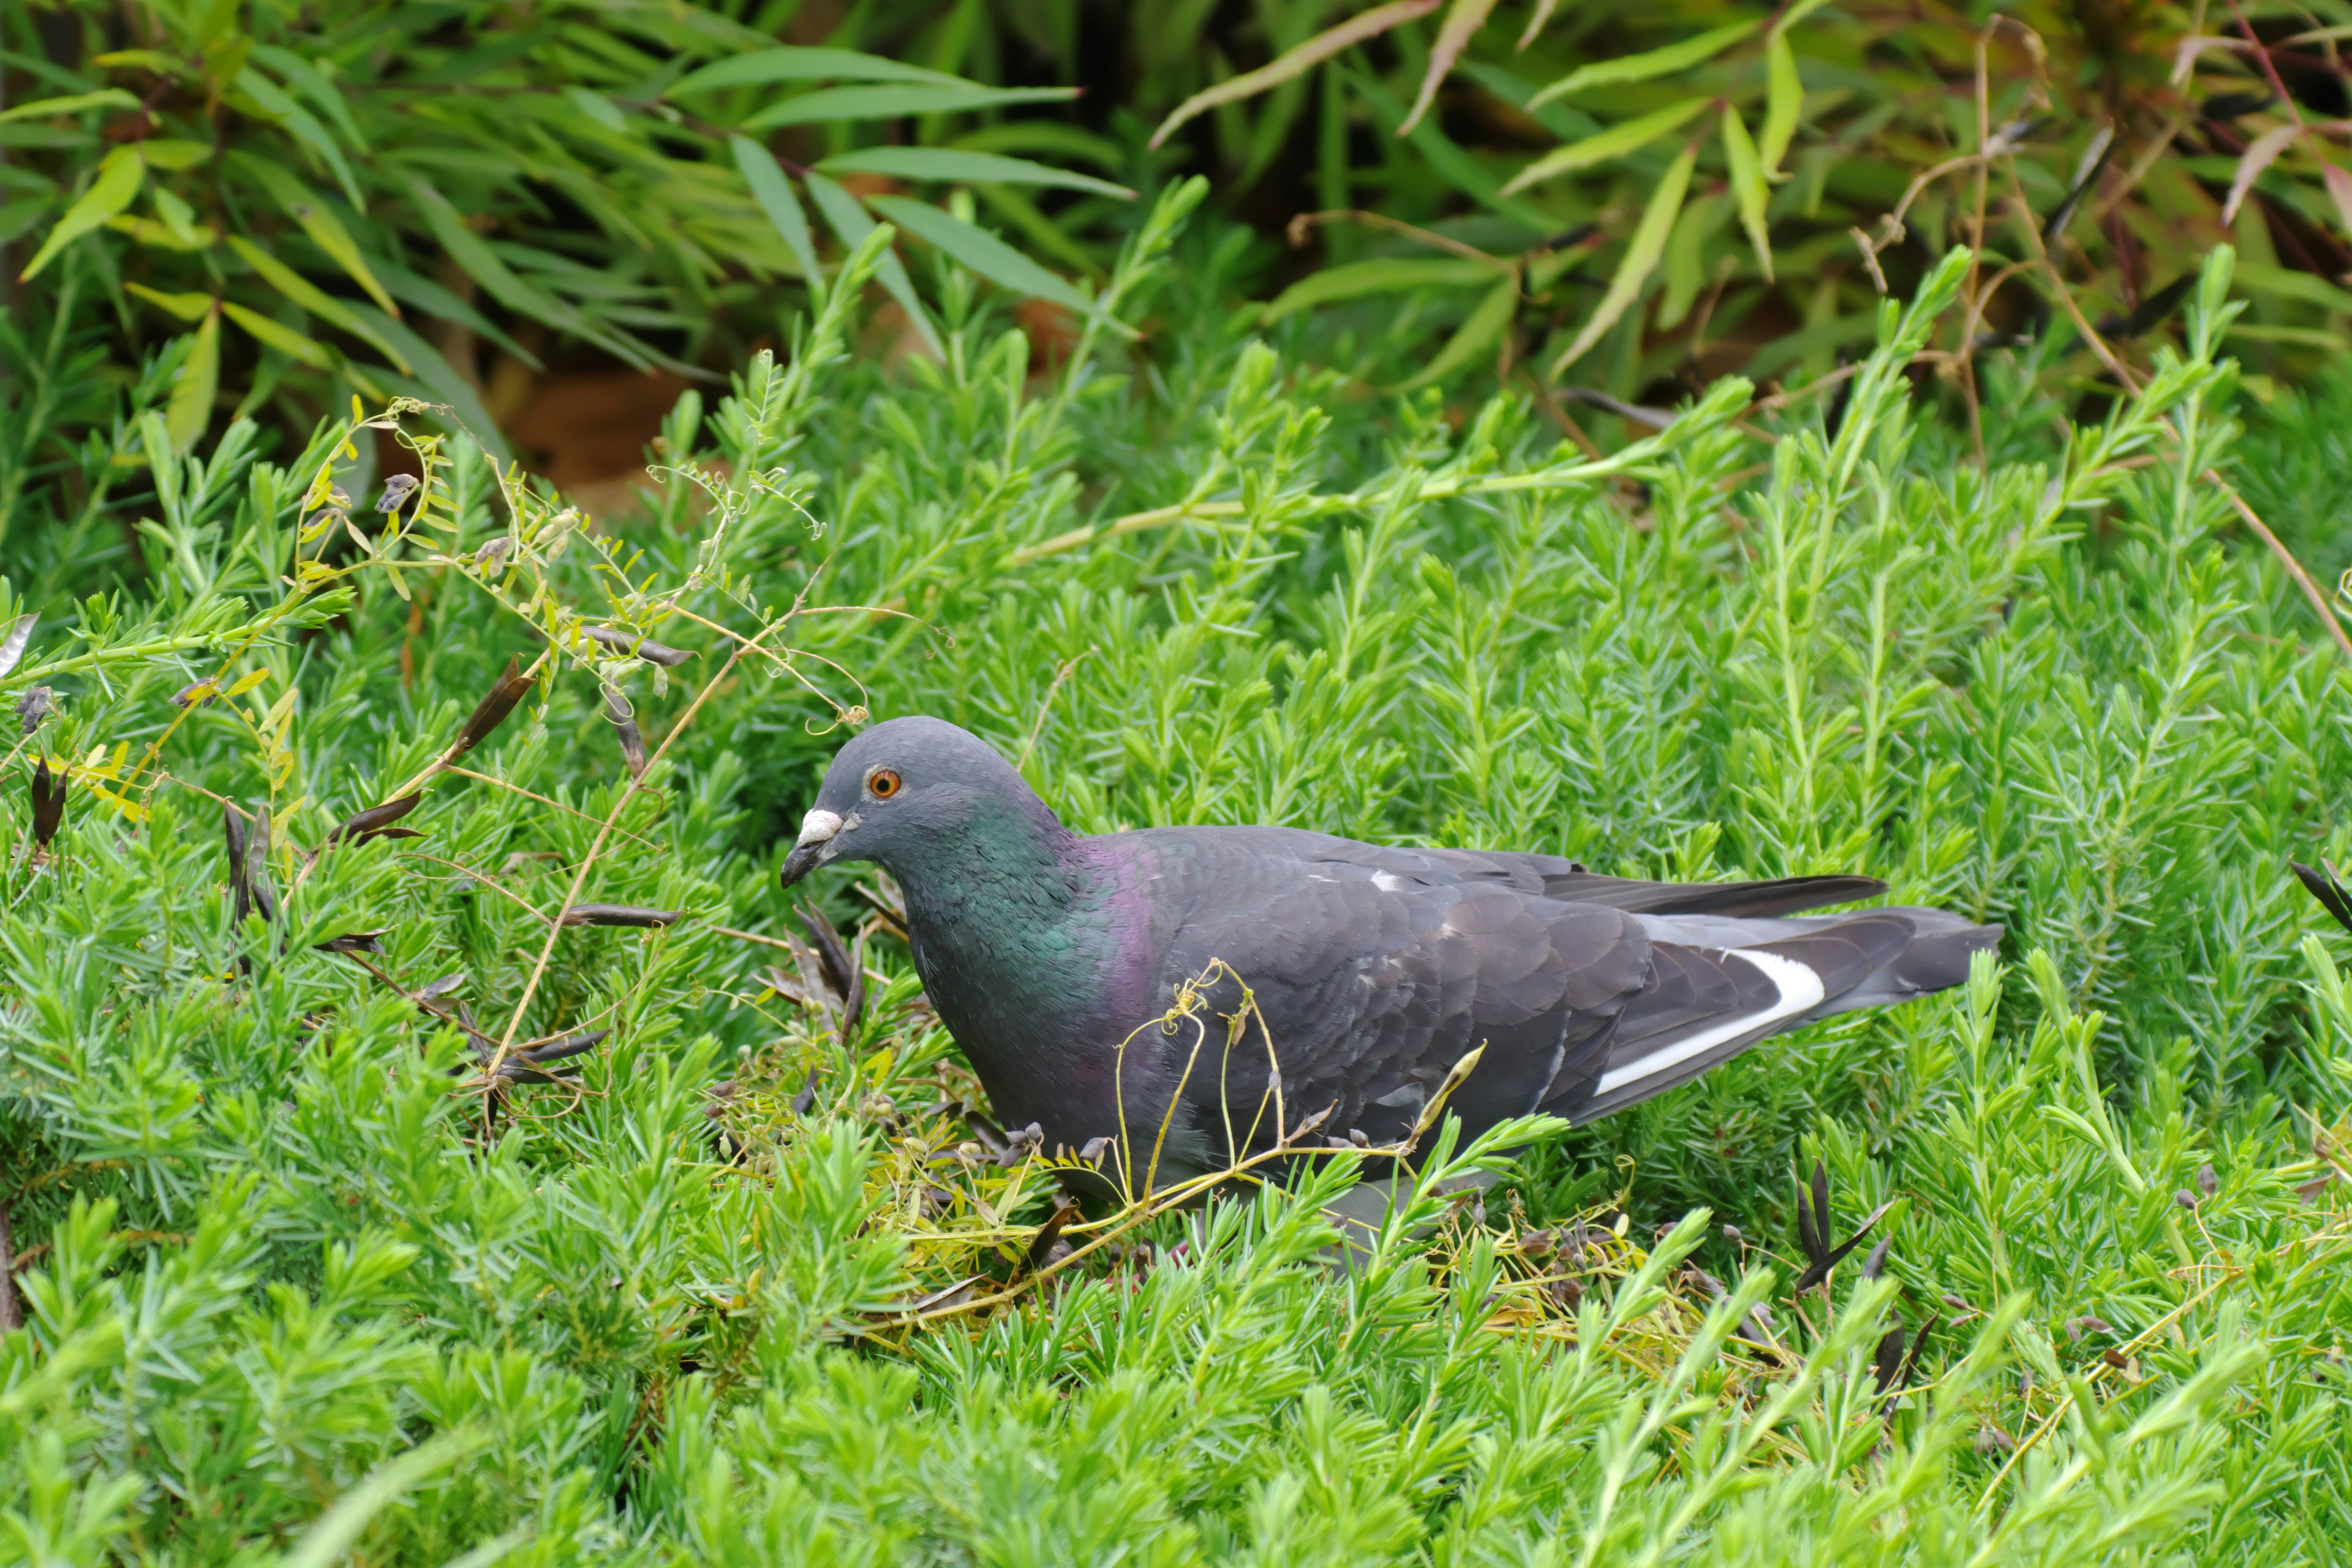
[[1375, 968]]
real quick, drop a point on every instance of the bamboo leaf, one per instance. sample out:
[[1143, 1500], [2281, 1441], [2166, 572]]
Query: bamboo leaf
[[1462, 24], [482, 264], [1747, 185], [315, 85], [980, 250], [1445, 157], [194, 386], [1646, 65], [2339, 191], [893, 99], [1475, 336], [773, 192], [1536, 24], [147, 231], [435, 300], [317, 221], [437, 381], [174, 152], [1792, 15], [849, 221], [1382, 275], [1297, 62], [965, 167], [1784, 100], [193, 306], [1641, 257], [1613, 142], [2260, 154], [792, 64], [117, 182], [274, 102], [73, 103], [301, 292], [280, 336]]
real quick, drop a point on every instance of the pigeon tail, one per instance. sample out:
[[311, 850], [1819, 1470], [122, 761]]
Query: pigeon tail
[[1753, 979]]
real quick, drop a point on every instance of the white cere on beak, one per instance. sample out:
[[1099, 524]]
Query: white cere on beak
[[817, 827]]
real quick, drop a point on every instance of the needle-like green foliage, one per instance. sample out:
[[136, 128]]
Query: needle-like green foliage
[[510, 1177]]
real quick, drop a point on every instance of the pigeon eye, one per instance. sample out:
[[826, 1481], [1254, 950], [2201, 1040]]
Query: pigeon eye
[[882, 784]]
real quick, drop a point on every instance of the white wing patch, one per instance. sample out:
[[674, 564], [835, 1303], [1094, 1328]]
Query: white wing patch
[[1386, 882], [1800, 988]]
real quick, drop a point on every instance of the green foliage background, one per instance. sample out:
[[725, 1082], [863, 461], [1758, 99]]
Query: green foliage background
[[299, 1284]]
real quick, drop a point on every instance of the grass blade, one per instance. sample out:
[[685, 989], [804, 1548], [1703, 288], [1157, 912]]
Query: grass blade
[[1462, 24], [1613, 142], [1297, 62], [1645, 66], [980, 250], [1642, 254]]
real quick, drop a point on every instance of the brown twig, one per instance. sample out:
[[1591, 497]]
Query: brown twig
[[2286, 559], [628, 793], [1038, 726]]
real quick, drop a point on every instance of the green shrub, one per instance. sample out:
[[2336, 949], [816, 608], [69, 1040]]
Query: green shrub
[[303, 1270]]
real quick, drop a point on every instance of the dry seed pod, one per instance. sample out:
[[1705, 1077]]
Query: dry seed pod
[[569, 1046], [618, 915], [633, 743], [844, 971], [48, 804], [636, 647], [256, 866], [232, 832], [375, 822], [353, 941], [492, 710]]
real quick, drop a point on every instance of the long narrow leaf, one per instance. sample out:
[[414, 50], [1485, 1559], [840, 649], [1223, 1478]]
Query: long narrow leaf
[[438, 382], [980, 250], [279, 336], [1784, 100], [1475, 336], [1446, 158], [319, 222], [1613, 142], [2260, 154], [118, 182], [1382, 275], [970, 168], [1644, 66], [301, 292], [190, 307], [1747, 185], [773, 192], [790, 64], [1294, 63], [74, 103], [193, 387], [1641, 257], [315, 85], [850, 222], [1462, 24], [893, 99], [482, 264], [274, 103]]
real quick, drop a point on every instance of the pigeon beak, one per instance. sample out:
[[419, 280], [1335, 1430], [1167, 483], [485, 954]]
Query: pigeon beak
[[812, 847]]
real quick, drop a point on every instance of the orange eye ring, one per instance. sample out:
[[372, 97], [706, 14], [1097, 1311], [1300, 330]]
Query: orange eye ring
[[882, 782]]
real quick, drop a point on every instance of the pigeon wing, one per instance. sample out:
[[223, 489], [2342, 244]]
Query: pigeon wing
[[1367, 990]]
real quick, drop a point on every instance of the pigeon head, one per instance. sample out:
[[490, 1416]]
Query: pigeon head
[[906, 794]]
